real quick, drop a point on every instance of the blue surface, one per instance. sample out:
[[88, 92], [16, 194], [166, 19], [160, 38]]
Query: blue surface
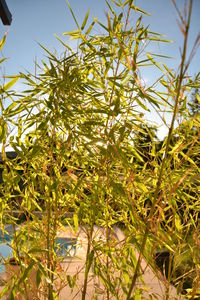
[[5, 250], [64, 247]]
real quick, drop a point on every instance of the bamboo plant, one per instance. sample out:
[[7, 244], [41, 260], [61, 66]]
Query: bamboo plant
[[87, 158]]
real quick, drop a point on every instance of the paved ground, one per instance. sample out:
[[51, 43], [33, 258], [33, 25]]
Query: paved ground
[[155, 286]]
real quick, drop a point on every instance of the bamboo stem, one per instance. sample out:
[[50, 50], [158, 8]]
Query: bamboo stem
[[147, 229]]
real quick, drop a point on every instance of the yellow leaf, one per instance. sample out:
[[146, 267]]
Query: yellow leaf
[[9, 84], [2, 42]]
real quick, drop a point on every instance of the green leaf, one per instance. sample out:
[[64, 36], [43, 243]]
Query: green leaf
[[11, 106], [85, 20], [45, 49], [91, 26], [75, 217], [136, 154], [157, 39], [5, 290], [37, 250], [73, 33], [118, 188], [71, 280], [72, 14], [162, 56], [154, 62], [65, 45], [140, 10], [38, 277], [142, 187], [3, 129], [2, 60], [102, 25], [176, 147], [2, 42], [26, 272], [13, 294], [137, 295], [141, 104], [9, 84], [178, 222], [110, 7], [89, 262], [189, 159]]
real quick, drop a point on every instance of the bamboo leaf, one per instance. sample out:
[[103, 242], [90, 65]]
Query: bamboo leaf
[[85, 20], [9, 84], [2, 60], [136, 154], [158, 39], [140, 10], [26, 272], [51, 55], [10, 107], [154, 62], [72, 14], [75, 217], [64, 44], [73, 33], [91, 26], [176, 147], [89, 262], [189, 159], [38, 277], [2, 42]]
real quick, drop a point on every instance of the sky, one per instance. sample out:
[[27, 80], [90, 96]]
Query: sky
[[37, 21]]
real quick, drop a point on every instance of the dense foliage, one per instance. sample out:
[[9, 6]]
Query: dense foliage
[[86, 156]]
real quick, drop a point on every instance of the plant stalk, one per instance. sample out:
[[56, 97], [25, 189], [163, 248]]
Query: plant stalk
[[175, 111]]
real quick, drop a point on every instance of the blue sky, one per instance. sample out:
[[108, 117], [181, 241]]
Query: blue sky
[[36, 21]]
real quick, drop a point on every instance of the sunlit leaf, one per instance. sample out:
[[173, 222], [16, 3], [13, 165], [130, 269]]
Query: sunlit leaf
[[2, 42], [85, 20], [9, 84]]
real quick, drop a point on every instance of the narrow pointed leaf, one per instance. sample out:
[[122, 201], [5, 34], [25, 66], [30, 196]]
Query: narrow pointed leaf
[[8, 85], [85, 20], [2, 42]]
